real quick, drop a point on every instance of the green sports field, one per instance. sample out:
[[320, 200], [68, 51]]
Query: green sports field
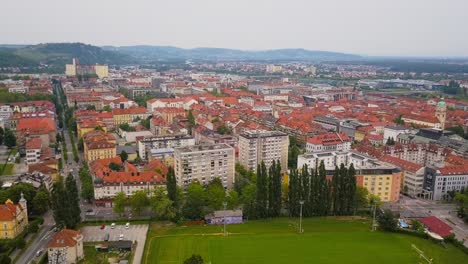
[[326, 240]]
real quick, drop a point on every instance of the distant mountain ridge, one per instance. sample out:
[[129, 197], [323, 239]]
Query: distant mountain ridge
[[170, 52], [56, 55], [53, 56]]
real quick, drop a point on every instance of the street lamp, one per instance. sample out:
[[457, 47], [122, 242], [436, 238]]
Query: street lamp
[[224, 204], [301, 202]]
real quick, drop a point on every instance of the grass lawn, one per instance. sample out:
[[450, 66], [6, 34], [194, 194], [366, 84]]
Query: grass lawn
[[326, 240], [6, 168], [92, 256]]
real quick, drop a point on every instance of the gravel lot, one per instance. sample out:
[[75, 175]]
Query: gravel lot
[[134, 233]]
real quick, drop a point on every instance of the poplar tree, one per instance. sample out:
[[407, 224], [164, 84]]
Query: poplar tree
[[262, 191], [276, 184]]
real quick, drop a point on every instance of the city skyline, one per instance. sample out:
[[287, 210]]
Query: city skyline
[[369, 28]]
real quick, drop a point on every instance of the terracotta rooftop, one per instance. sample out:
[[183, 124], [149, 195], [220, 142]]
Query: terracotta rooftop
[[64, 238], [34, 143], [329, 139], [8, 210], [436, 225]]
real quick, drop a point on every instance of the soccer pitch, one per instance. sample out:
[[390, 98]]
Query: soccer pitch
[[325, 240]]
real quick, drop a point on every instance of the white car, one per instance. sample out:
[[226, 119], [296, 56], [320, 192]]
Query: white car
[[112, 225], [127, 225], [121, 237]]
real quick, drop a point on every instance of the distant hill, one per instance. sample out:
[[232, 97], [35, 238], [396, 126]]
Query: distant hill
[[51, 57], [56, 55], [169, 52]]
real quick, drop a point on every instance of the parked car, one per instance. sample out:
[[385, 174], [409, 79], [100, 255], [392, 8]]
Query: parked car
[[38, 253], [102, 227], [121, 237], [106, 237], [112, 225], [127, 225]]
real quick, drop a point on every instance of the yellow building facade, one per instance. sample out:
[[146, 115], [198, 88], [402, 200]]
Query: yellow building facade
[[13, 218]]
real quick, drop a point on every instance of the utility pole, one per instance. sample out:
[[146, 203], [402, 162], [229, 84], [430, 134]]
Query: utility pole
[[301, 202]]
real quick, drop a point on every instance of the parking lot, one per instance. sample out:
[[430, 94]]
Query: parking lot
[[133, 233]]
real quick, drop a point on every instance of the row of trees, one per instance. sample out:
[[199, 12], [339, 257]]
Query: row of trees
[[87, 188], [268, 195], [66, 203], [321, 196]]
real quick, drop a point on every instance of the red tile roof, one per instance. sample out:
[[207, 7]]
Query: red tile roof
[[329, 139], [34, 143], [8, 211], [405, 165], [129, 111], [436, 225], [36, 125], [64, 238], [454, 170]]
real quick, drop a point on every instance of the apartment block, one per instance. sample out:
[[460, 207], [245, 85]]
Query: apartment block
[[256, 146], [148, 143], [204, 163]]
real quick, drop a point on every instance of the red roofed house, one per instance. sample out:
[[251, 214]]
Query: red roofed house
[[122, 116], [98, 145], [13, 218], [128, 179], [33, 150], [43, 128], [66, 246], [435, 225], [328, 142]]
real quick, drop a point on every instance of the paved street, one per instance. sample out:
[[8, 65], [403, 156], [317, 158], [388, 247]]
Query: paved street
[[418, 208], [40, 242], [133, 233]]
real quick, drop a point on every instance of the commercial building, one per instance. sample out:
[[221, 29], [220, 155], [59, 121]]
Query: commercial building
[[439, 182], [412, 176], [204, 163], [13, 218], [65, 247], [393, 132], [257, 146]]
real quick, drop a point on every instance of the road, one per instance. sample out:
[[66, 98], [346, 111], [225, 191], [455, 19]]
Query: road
[[40, 242], [418, 208]]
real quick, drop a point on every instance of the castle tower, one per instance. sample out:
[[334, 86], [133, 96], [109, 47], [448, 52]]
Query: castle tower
[[441, 113]]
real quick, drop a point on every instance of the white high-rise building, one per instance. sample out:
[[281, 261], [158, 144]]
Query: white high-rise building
[[204, 163], [256, 146]]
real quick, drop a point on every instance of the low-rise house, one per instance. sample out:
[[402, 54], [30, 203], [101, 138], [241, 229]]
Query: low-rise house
[[224, 216], [33, 150], [13, 218], [66, 246]]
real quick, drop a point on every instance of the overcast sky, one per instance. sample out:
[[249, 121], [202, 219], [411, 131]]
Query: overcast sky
[[367, 27]]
